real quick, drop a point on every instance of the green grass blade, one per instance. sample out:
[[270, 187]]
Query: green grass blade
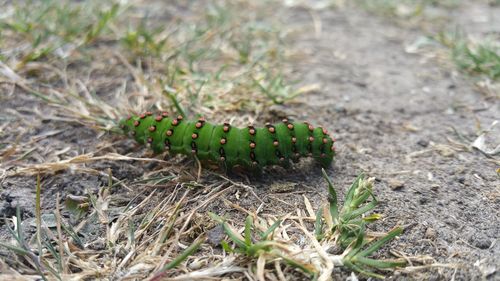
[[266, 92], [304, 267], [359, 199], [179, 259], [255, 249], [363, 271], [176, 103], [372, 217], [104, 19], [332, 198], [54, 253], [216, 217], [226, 246], [377, 244], [15, 249], [318, 225], [20, 236], [358, 212], [171, 223], [270, 229], [38, 213], [49, 268], [358, 243], [184, 255], [380, 263], [352, 189], [71, 232], [248, 230], [233, 236], [12, 231]]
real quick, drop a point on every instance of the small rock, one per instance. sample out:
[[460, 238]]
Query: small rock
[[451, 222], [360, 84], [48, 220], [435, 187], [444, 150], [430, 233], [279, 110], [341, 109], [197, 264], [215, 235], [480, 240], [423, 143], [280, 187], [335, 250], [423, 200], [395, 184], [7, 210]]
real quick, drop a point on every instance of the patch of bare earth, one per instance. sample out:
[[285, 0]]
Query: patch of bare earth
[[409, 121]]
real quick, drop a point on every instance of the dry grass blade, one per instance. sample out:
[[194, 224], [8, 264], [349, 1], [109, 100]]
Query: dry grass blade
[[74, 162]]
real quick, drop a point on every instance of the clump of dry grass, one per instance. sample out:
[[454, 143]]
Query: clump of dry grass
[[214, 61], [119, 59], [138, 240], [155, 233]]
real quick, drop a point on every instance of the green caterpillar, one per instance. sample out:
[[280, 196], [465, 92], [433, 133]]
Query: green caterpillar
[[250, 147]]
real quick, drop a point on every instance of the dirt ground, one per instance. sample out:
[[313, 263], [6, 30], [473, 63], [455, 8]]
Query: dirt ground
[[405, 117], [393, 114]]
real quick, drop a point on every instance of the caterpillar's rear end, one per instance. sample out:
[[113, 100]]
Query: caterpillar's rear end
[[250, 147]]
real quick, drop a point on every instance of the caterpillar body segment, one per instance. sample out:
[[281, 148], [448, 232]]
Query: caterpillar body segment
[[249, 147]]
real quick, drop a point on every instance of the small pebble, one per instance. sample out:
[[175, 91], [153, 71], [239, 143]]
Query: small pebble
[[430, 233], [196, 264], [423, 143], [395, 184], [451, 222], [280, 187], [480, 240], [423, 200], [341, 109], [335, 250], [215, 235]]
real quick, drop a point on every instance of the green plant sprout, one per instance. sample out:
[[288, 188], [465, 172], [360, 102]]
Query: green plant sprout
[[343, 227]]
